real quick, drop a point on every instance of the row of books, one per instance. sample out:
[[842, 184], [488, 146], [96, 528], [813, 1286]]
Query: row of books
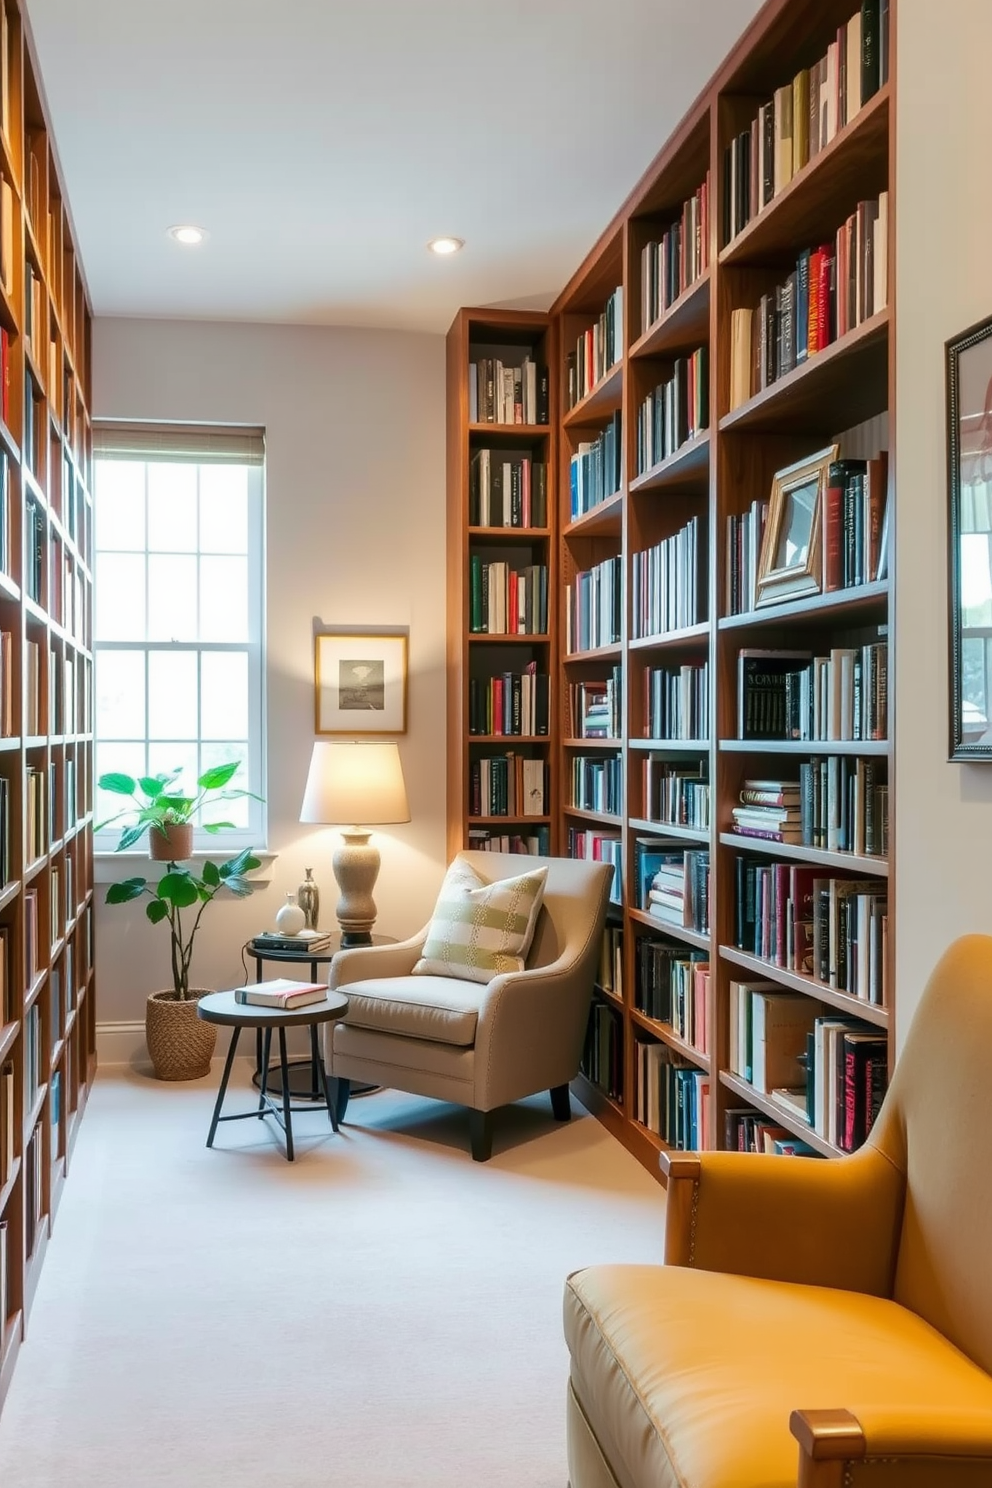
[[838, 804], [673, 882], [33, 1055], [34, 1199], [673, 988], [507, 601], [594, 609], [672, 1097], [504, 393], [6, 235], [596, 783], [677, 701], [768, 1027], [36, 835], [602, 1051], [535, 841], [594, 708], [507, 489], [596, 469], [609, 972], [674, 412], [507, 785], [669, 584], [4, 512], [854, 508], [803, 117], [510, 703], [793, 695], [598, 846], [8, 1123], [745, 535], [5, 374], [824, 926], [676, 794], [597, 349], [34, 549], [833, 289], [671, 264], [745, 1131], [35, 323], [847, 1070]]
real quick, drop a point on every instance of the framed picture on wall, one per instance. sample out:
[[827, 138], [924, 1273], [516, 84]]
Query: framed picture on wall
[[969, 541], [360, 682], [789, 564]]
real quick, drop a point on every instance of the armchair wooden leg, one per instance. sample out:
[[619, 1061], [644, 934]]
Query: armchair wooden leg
[[560, 1104], [481, 1131]]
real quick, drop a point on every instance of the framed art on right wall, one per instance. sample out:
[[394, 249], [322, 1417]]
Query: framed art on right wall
[[969, 542]]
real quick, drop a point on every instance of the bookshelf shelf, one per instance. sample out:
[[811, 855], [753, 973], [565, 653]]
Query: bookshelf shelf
[[490, 821], [689, 635], [819, 197], [502, 535], [610, 997], [867, 1011], [685, 323], [667, 1034], [512, 639], [835, 604], [674, 520], [607, 516], [8, 1038], [842, 861], [778, 1113], [508, 740], [599, 402], [6, 1192], [837, 388], [692, 459], [511, 433]]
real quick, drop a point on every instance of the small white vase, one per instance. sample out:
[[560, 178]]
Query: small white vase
[[290, 920]]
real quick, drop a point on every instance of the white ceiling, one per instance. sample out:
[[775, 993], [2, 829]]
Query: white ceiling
[[321, 143]]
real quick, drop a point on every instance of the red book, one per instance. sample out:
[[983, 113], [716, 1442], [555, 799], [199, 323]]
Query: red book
[[814, 301], [512, 623], [877, 481], [833, 526], [496, 722], [780, 954], [825, 262]]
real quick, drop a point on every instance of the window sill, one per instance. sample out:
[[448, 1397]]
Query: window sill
[[113, 866]]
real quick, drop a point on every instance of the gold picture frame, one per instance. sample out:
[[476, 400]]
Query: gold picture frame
[[789, 566], [360, 682]]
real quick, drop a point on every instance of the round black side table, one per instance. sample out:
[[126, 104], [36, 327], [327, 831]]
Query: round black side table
[[305, 1074]]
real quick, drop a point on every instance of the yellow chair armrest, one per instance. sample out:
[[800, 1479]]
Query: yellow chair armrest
[[834, 1223], [835, 1451]]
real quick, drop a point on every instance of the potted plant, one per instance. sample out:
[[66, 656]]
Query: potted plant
[[181, 1045], [166, 815]]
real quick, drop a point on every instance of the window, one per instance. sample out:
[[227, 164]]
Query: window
[[178, 525]]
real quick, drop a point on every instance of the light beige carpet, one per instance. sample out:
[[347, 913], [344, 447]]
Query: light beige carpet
[[384, 1312]]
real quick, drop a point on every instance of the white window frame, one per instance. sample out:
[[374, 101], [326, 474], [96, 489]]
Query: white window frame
[[191, 444]]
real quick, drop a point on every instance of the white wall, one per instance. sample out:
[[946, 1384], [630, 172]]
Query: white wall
[[944, 284], [354, 426]]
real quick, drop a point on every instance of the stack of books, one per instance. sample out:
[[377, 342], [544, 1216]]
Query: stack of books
[[769, 809], [311, 942], [280, 992]]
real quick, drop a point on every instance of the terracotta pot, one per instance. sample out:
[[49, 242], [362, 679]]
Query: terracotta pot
[[181, 1045], [172, 843]]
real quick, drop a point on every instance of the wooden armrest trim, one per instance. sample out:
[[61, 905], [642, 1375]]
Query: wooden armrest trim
[[827, 1435], [679, 1165]]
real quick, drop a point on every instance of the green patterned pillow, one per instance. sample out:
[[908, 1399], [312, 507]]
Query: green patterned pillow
[[480, 929]]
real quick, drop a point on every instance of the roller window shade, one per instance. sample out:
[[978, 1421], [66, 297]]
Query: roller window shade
[[201, 444]]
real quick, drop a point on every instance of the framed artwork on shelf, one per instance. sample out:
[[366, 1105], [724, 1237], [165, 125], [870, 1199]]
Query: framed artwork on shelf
[[969, 548], [789, 565], [360, 682]]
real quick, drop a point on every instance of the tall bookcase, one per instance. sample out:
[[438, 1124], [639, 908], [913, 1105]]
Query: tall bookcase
[[670, 677], [502, 576], [47, 1027]]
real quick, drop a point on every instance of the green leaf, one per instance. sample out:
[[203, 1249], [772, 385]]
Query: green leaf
[[121, 785], [179, 888], [152, 785], [241, 864], [211, 874], [156, 911], [129, 836], [123, 893], [218, 777], [218, 826], [173, 808], [239, 886]]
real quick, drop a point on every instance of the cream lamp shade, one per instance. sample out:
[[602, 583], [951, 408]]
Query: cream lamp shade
[[361, 784]]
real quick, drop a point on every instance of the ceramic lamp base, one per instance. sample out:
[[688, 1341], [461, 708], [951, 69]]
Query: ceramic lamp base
[[356, 868]]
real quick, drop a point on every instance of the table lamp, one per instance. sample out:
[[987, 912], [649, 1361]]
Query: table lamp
[[355, 782]]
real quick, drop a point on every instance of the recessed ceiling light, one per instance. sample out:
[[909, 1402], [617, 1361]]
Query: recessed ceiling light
[[444, 246], [188, 234]]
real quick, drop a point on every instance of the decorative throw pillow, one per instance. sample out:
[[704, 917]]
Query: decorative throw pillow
[[480, 929]]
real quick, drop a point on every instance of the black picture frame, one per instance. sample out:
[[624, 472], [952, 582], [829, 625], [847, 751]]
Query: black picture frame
[[968, 369]]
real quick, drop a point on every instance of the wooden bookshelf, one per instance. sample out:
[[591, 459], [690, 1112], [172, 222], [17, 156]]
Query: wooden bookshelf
[[47, 1025], [476, 657], [843, 393]]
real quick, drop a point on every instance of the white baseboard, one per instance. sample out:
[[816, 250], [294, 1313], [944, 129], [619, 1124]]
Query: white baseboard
[[124, 1044]]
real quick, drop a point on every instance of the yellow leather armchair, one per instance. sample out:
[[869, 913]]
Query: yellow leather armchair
[[820, 1324]]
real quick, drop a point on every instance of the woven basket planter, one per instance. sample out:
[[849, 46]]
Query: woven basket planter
[[181, 1045]]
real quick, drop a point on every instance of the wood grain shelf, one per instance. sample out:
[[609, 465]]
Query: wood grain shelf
[[804, 746], [598, 818], [596, 653], [642, 825], [599, 403], [513, 638], [684, 325], [666, 1033], [613, 744], [837, 604], [847, 1003], [511, 431], [781, 1115], [688, 636], [665, 927], [843, 862], [690, 461], [606, 516], [672, 746]]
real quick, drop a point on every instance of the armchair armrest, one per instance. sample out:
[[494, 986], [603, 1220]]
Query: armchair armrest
[[530, 1030], [833, 1224], [837, 1451], [359, 963]]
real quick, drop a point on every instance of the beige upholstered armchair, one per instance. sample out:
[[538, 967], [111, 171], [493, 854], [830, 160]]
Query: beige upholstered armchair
[[479, 1045]]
